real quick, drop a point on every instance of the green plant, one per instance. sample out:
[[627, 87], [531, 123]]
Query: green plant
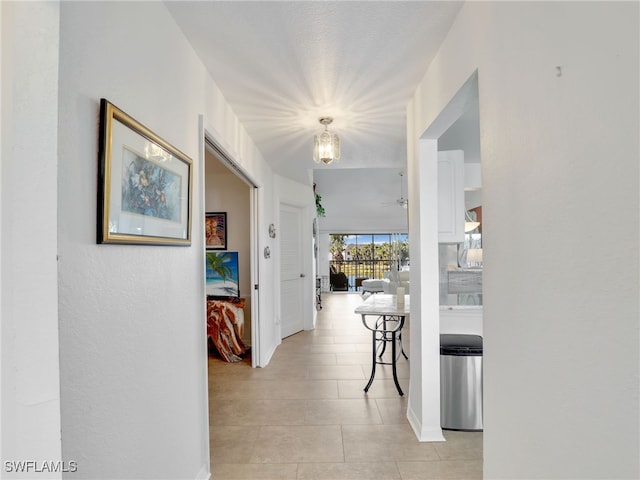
[[319, 208]]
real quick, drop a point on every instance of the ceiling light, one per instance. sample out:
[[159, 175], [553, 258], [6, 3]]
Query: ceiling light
[[403, 202], [154, 152], [326, 145]]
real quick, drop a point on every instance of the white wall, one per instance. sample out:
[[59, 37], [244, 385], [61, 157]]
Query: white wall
[[269, 288], [423, 404], [132, 322], [560, 210], [131, 317], [30, 391]]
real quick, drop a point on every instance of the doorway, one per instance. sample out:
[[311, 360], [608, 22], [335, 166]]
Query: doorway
[[229, 192], [424, 396]]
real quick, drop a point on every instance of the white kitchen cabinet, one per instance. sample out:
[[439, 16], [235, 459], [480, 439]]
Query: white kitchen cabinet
[[451, 196]]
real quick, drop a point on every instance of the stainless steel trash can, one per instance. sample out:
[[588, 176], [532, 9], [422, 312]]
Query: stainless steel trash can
[[461, 382]]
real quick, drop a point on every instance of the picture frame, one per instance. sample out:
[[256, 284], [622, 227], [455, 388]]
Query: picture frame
[[144, 184], [215, 228], [222, 274]]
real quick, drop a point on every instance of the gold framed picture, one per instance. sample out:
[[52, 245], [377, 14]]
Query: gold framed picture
[[144, 184]]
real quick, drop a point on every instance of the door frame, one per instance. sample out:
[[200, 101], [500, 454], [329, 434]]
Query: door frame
[[423, 403], [255, 203]]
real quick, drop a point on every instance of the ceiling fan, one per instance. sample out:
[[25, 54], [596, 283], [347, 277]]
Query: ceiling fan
[[402, 201]]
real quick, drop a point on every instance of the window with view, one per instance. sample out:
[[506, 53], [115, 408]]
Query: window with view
[[364, 256]]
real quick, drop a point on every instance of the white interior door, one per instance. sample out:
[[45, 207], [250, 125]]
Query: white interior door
[[291, 274]]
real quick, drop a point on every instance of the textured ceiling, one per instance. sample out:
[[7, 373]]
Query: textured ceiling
[[282, 65]]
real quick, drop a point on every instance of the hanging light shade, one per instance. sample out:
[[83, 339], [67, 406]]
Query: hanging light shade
[[469, 224], [326, 145]]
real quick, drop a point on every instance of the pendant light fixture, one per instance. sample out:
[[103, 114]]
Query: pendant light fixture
[[469, 223], [403, 202], [326, 145]]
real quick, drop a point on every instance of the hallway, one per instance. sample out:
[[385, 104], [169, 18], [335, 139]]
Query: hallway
[[306, 416]]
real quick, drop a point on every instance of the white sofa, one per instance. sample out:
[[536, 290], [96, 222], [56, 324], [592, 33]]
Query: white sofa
[[374, 285]]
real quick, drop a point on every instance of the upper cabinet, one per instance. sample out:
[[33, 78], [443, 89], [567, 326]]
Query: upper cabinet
[[451, 196]]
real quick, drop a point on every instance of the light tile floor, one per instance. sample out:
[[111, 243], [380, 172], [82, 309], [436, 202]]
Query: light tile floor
[[305, 416]]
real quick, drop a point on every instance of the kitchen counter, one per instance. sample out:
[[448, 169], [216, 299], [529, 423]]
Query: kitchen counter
[[461, 319], [461, 307]]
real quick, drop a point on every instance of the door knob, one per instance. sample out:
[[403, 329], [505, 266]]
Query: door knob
[[302, 275]]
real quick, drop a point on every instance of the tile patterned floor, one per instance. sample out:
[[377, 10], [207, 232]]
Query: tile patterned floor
[[306, 417]]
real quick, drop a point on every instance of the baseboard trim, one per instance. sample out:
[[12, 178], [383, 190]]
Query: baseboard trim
[[269, 356], [424, 433], [204, 473]]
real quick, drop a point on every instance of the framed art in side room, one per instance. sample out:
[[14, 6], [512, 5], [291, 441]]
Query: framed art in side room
[[144, 184], [222, 274], [215, 228]]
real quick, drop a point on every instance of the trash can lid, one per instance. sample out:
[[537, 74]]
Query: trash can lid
[[460, 345]]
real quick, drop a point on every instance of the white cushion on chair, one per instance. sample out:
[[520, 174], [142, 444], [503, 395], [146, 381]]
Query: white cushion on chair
[[374, 285]]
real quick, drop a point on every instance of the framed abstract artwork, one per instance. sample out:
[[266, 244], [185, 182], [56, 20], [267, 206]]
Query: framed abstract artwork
[[222, 274], [215, 227], [144, 184]]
